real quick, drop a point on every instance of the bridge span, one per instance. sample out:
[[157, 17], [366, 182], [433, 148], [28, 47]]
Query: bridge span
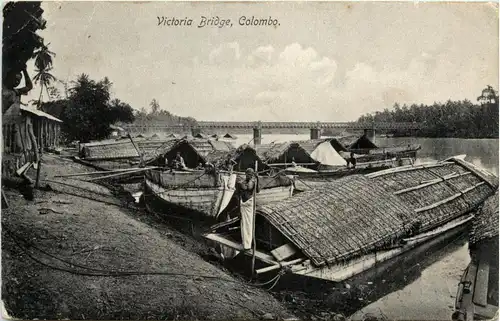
[[315, 127]]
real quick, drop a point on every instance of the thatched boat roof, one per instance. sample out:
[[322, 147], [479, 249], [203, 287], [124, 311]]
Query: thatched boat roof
[[272, 152], [202, 147], [200, 135], [109, 150], [357, 142], [122, 148], [485, 222], [358, 214], [229, 136]]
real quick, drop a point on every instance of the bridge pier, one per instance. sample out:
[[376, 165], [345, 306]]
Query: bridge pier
[[315, 133], [257, 136], [370, 134]]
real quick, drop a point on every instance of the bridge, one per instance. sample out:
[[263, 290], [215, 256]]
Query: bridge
[[315, 127]]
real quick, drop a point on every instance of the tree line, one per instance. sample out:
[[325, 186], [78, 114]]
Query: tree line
[[461, 119], [158, 116]]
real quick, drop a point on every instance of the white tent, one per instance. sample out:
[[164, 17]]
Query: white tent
[[327, 155]]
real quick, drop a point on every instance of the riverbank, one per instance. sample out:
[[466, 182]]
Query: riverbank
[[76, 252]]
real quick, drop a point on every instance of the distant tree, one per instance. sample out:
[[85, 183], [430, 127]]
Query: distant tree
[[54, 93], [122, 112], [155, 107], [488, 95], [89, 111]]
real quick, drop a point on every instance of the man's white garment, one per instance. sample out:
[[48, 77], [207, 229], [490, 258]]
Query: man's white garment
[[247, 222]]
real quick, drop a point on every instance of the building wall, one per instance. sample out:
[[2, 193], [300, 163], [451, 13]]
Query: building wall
[[17, 148]]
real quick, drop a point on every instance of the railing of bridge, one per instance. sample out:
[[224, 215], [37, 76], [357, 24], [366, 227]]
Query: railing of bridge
[[277, 125]]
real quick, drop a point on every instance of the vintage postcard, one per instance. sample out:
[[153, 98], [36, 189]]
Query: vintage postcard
[[295, 160]]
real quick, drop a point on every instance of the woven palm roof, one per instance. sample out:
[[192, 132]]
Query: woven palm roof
[[357, 214], [203, 148], [271, 152], [485, 222], [341, 219], [227, 135], [109, 150]]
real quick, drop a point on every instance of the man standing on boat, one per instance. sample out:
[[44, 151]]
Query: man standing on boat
[[246, 189], [179, 162]]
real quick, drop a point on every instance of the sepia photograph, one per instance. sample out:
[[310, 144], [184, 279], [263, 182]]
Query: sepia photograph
[[237, 160]]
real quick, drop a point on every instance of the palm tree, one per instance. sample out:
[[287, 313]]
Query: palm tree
[[488, 95], [43, 63], [45, 78]]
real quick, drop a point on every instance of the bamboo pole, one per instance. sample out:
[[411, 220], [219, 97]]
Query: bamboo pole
[[104, 172], [277, 266], [254, 218], [141, 163], [119, 174]]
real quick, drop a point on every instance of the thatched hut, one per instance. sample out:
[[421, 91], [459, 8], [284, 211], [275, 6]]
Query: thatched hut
[[25, 130], [193, 151]]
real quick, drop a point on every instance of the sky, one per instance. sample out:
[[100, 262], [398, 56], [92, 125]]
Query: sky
[[323, 61]]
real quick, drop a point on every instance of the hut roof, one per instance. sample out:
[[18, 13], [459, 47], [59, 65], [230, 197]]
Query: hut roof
[[357, 214], [203, 147], [355, 142], [109, 150], [270, 152], [39, 113], [485, 222], [227, 135], [200, 135]]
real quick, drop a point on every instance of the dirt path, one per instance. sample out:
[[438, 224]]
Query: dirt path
[[68, 256]]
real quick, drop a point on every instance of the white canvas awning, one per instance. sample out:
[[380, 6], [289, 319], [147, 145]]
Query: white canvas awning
[[327, 155]]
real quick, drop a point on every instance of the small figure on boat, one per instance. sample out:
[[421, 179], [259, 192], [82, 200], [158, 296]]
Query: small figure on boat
[[200, 166], [179, 162], [294, 164], [229, 163], [351, 160], [246, 189]]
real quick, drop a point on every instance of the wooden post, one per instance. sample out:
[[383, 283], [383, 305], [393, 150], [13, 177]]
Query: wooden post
[[37, 182], [254, 218]]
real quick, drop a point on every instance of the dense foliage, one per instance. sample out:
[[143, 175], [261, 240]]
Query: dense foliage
[[157, 116], [88, 112], [21, 20], [451, 119]]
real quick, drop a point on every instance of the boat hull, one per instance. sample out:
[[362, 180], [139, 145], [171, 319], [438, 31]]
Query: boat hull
[[204, 200], [343, 272], [210, 202]]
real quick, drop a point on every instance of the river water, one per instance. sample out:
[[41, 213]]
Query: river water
[[431, 295]]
